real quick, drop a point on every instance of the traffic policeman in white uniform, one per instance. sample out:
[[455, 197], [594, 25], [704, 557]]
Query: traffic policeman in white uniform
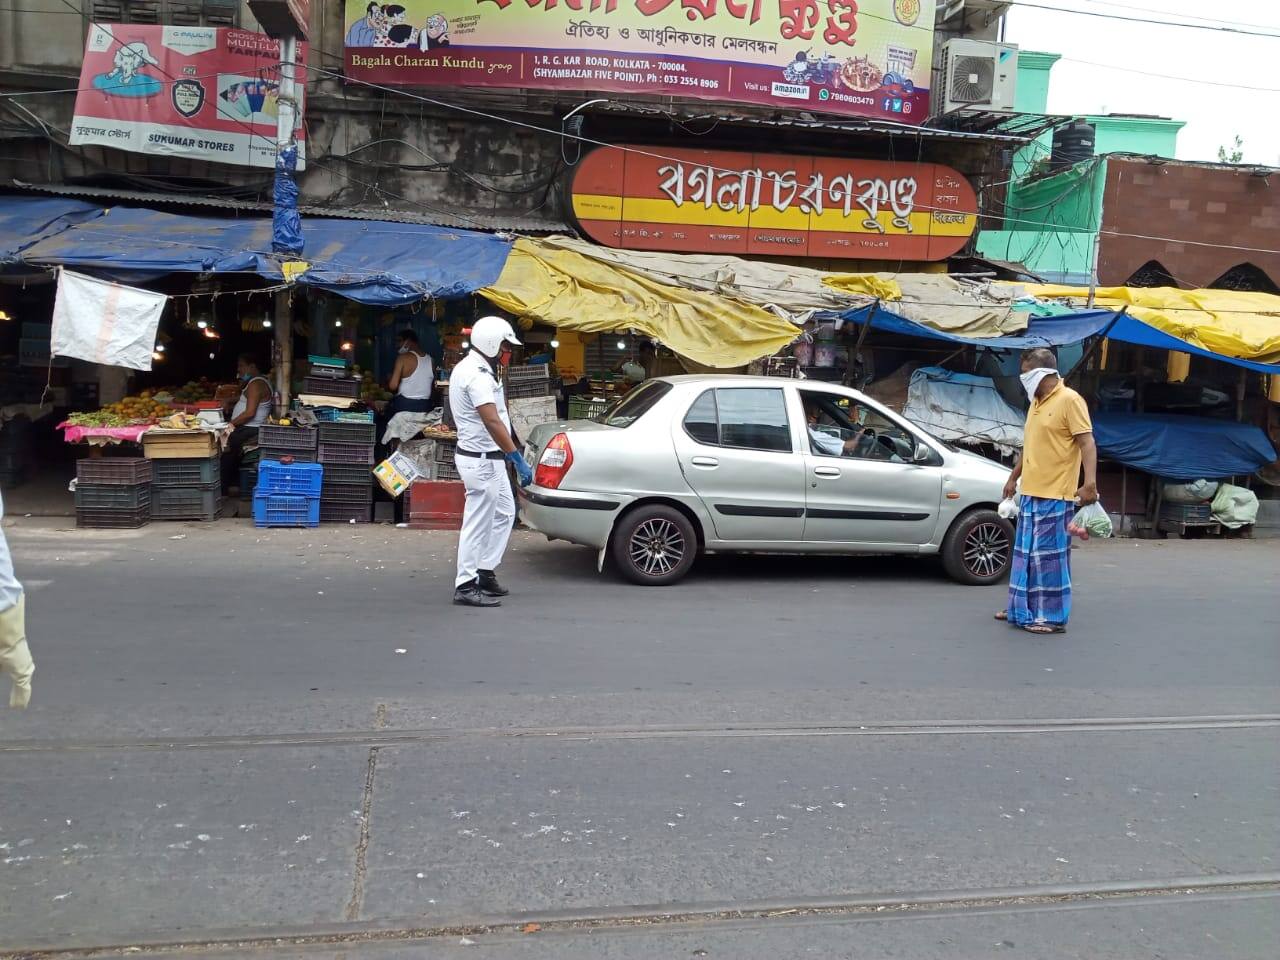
[[479, 406]]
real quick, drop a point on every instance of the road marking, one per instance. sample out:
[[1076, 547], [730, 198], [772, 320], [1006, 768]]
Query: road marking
[[384, 737], [730, 915]]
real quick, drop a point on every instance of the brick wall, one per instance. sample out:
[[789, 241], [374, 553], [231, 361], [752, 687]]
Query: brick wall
[[1211, 205]]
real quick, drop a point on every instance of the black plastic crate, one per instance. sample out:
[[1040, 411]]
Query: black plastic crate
[[344, 432], [100, 519], [286, 438], [346, 453], [345, 512], [446, 451], [346, 493], [204, 472], [272, 453], [185, 503], [331, 387], [112, 496], [248, 480], [526, 389], [528, 371], [125, 471], [347, 473]]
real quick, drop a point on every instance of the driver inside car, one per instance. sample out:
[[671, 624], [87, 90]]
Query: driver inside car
[[830, 445]]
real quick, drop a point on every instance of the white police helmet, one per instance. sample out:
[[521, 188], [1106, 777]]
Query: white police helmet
[[488, 334]]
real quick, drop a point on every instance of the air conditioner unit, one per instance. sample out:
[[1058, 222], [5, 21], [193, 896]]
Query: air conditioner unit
[[978, 75]]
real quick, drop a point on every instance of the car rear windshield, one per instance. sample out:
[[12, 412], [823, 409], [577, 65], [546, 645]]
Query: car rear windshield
[[635, 404]]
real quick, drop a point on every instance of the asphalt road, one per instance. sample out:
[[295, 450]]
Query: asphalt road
[[291, 740]]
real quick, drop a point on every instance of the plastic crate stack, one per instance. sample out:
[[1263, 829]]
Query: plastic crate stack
[[15, 452], [530, 380], [113, 492], [280, 443], [186, 488], [446, 461], [346, 451], [287, 494]]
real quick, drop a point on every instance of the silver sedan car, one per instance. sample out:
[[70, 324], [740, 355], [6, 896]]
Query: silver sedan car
[[707, 464]]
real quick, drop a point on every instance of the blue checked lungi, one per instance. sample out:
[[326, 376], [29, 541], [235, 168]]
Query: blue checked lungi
[[1040, 576]]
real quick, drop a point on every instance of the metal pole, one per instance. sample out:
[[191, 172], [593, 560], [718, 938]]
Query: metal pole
[[286, 232], [862, 337], [287, 110], [283, 325], [1093, 269]]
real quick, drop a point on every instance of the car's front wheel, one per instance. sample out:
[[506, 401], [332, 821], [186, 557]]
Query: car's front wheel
[[654, 546], [978, 548]]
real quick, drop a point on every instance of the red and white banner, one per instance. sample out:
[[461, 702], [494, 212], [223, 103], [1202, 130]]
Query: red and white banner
[[204, 92]]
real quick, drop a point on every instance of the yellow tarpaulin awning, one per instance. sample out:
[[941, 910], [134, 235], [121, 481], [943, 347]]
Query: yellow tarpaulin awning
[[564, 289], [1230, 323]]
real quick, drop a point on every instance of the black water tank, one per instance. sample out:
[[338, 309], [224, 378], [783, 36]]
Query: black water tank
[[1072, 144]]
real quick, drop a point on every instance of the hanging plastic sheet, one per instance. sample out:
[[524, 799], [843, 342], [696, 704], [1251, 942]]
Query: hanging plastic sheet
[[565, 289], [372, 261], [1182, 448], [963, 408], [1223, 324]]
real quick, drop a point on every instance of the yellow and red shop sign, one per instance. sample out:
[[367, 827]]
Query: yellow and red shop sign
[[713, 201]]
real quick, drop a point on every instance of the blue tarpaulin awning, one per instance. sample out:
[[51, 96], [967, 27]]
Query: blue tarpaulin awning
[[371, 261], [1041, 331], [1182, 448], [1130, 329], [26, 220]]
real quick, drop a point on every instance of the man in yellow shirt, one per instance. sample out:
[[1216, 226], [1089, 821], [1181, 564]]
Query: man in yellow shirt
[[1057, 445]]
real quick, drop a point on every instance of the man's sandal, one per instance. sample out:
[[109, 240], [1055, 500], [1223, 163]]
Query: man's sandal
[[1044, 629]]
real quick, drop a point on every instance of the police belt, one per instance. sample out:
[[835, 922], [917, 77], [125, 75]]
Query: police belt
[[491, 455]]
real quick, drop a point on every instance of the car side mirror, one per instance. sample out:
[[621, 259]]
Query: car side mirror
[[923, 454]]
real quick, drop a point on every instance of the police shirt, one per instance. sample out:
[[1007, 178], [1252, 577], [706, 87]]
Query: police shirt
[[472, 384]]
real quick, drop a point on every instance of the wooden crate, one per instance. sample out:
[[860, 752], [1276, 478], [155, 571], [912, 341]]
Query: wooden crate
[[173, 444]]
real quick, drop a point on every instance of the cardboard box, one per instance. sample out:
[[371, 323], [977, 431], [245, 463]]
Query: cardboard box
[[397, 473]]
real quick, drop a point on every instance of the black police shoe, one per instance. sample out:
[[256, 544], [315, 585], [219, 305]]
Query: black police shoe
[[489, 585], [470, 595]]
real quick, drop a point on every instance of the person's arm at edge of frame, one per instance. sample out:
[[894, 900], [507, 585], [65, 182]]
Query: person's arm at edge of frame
[[1088, 492]]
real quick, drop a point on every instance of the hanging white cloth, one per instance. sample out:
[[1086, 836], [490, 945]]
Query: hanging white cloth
[[105, 322]]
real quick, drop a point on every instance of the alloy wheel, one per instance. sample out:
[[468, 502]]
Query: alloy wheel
[[657, 546], [986, 549]]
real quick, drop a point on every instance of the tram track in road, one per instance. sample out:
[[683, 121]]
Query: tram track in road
[[707, 917], [384, 736]]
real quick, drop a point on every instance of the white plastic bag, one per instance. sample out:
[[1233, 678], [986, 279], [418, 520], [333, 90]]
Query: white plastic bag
[[1091, 520], [1008, 508]]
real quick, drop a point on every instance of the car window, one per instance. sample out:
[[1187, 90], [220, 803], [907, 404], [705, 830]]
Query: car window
[[635, 404], [701, 422], [846, 428], [753, 417]]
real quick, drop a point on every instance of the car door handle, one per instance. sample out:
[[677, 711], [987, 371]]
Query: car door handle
[[826, 472], [708, 462]]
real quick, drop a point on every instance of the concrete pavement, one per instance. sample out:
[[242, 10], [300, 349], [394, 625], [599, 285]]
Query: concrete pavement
[[225, 745]]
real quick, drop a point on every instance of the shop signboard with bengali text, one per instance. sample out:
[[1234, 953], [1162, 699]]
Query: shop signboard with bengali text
[[755, 204], [204, 92], [868, 58]]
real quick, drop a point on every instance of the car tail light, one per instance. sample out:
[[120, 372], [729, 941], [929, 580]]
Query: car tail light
[[556, 459]]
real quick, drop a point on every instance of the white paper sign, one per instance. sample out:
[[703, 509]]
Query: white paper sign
[[105, 322]]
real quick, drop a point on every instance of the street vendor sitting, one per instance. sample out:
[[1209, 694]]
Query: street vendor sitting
[[251, 411]]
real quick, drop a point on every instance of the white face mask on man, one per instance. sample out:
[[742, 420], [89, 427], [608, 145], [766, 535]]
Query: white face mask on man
[[1032, 378]]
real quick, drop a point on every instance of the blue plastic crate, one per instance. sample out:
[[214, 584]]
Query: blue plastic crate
[[301, 479], [275, 510]]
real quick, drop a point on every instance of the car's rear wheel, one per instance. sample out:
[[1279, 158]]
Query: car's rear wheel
[[654, 546], [978, 548]]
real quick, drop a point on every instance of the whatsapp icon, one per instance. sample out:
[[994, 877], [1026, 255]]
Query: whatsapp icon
[[824, 94]]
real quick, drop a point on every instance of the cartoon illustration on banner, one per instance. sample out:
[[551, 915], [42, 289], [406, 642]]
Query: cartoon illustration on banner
[[202, 92], [714, 201], [864, 57]]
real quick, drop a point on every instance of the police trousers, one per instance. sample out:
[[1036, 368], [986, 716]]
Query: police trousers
[[487, 517]]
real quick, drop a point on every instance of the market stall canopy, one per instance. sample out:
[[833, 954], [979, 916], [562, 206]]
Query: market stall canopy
[[556, 285], [1238, 327], [1053, 331], [371, 261], [27, 220], [964, 306], [1182, 448]]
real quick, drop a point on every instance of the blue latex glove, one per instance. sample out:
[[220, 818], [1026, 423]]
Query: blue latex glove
[[524, 472]]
